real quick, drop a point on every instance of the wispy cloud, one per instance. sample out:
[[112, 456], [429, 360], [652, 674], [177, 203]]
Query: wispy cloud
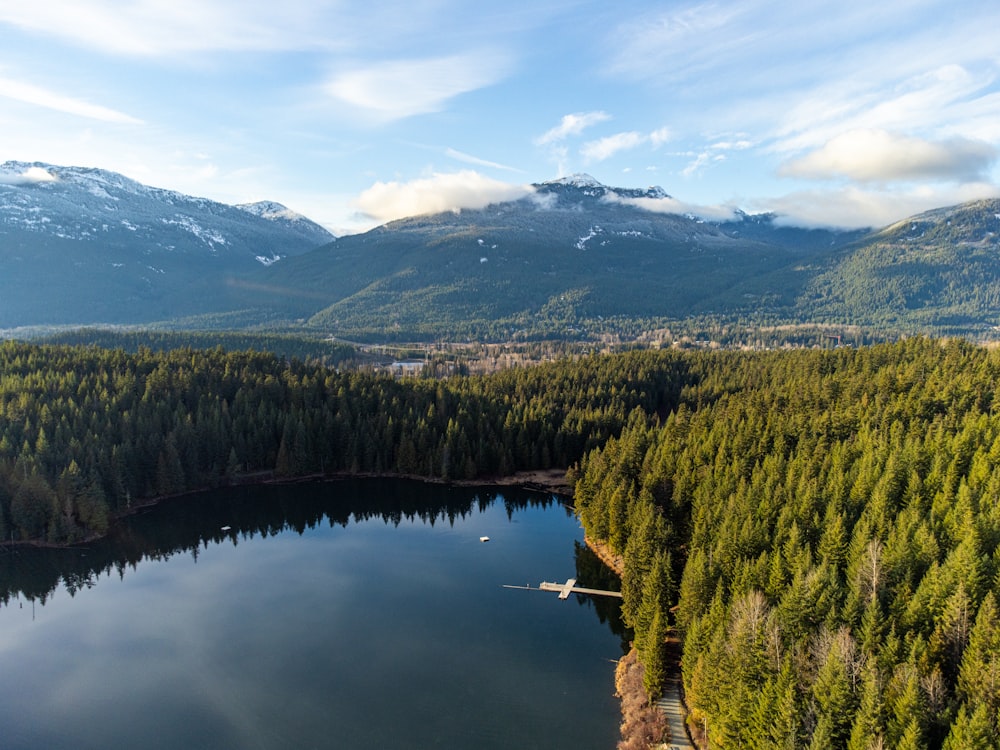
[[798, 78], [605, 148], [870, 155], [156, 28], [660, 136], [385, 201], [714, 152], [476, 161], [397, 89], [673, 43], [29, 94], [700, 161], [572, 124], [935, 101], [609, 146]]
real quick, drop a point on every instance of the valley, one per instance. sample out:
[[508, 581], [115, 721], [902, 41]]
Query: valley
[[574, 260]]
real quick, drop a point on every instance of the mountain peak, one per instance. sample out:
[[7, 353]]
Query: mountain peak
[[595, 189], [270, 210], [578, 180]]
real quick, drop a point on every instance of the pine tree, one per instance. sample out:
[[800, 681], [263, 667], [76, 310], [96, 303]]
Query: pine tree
[[833, 697], [869, 721], [972, 731], [912, 738], [979, 674]]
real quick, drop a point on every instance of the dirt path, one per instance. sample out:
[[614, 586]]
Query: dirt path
[[670, 705]]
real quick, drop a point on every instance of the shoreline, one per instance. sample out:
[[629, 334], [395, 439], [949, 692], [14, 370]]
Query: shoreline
[[605, 555], [539, 480], [553, 481]]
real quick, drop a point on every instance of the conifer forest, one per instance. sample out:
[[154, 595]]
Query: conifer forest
[[821, 528]]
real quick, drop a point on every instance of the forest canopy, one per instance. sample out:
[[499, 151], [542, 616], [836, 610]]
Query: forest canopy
[[86, 432], [821, 527]]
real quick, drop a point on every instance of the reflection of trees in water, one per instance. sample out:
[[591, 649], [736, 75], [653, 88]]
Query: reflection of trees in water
[[190, 523], [594, 574]]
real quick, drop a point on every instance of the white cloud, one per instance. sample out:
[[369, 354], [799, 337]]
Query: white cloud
[[943, 99], [161, 27], [572, 124], [853, 207], [659, 137], [24, 92], [605, 148], [797, 76], [386, 201], [673, 206], [30, 176], [670, 43], [870, 155], [701, 161], [402, 88], [739, 145]]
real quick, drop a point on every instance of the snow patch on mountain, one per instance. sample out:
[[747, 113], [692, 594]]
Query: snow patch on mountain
[[270, 210], [578, 180], [581, 244], [209, 236]]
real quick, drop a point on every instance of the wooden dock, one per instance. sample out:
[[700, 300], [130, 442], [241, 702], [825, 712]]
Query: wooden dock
[[565, 589]]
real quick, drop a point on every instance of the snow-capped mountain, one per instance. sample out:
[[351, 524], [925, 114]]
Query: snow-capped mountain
[[577, 186], [574, 258], [86, 204], [573, 250], [66, 231]]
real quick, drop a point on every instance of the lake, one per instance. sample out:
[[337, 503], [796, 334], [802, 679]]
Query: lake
[[346, 614]]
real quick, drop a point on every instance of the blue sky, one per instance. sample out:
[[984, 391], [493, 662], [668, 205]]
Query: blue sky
[[839, 113]]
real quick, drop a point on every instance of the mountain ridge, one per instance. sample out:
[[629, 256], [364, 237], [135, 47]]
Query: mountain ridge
[[81, 244], [574, 259], [574, 250]]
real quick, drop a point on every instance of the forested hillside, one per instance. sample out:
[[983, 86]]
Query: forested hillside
[[823, 529], [86, 433], [285, 345]]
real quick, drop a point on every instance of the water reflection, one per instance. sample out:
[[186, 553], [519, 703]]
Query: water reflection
[[348, 614], [190, 524]]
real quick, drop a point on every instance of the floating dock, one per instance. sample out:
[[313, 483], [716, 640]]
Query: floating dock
[[565, 589]]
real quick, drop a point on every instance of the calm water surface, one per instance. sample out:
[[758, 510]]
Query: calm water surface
[[360, 614]]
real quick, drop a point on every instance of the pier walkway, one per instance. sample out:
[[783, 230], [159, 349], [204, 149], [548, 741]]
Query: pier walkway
[[565, 589]]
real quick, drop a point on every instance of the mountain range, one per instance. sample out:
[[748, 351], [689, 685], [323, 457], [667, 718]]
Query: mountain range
[[561, 261], [91, 246], [575, 258]]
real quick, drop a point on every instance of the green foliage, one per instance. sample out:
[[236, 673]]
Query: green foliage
[[307, 348], [87, 432], [834, 529], [820, 526]]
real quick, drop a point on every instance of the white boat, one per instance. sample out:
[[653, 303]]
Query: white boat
[[484, 538]]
